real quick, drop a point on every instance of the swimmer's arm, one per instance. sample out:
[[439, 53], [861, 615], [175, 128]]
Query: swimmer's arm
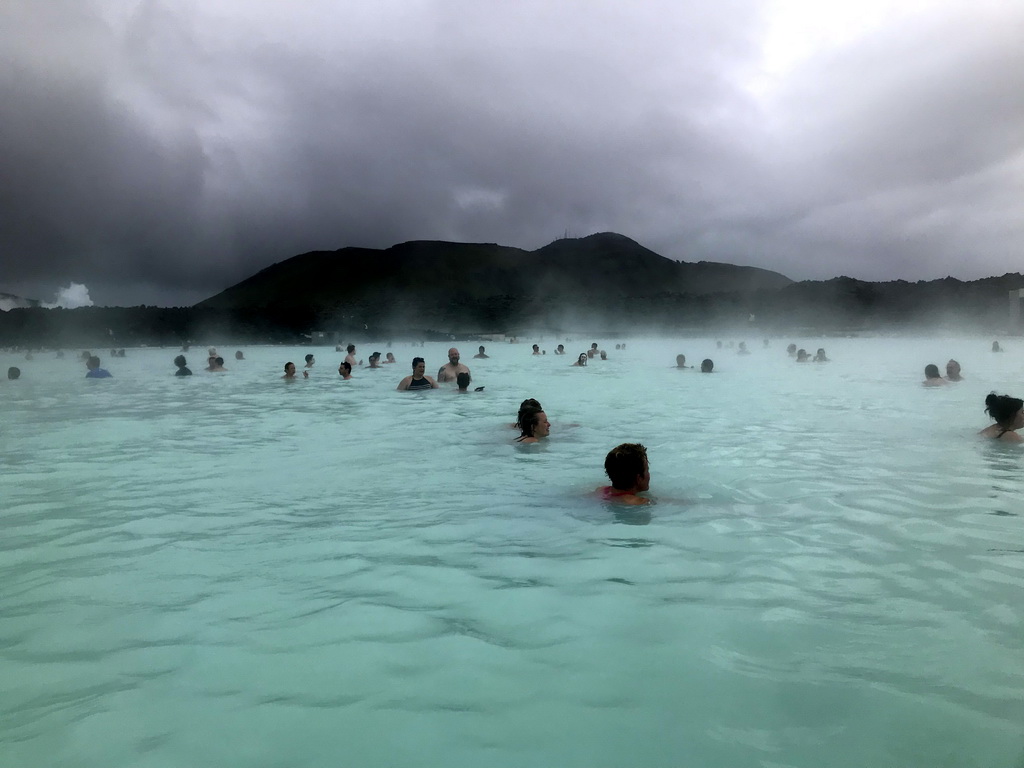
[[403, 385]]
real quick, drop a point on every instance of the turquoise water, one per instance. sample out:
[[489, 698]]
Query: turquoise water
[[235, 570]]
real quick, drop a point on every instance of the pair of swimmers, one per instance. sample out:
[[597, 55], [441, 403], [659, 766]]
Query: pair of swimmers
[[707, 365], [932, 377]]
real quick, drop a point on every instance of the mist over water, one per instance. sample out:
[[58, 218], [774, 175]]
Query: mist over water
[[235, 570], [73, 296]]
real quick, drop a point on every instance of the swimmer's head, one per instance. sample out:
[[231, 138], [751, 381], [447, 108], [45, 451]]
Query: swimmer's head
[[953, 369], [239, 355], [180, 361], [463, 380], [582, 360], [1005, 410], [14, 372], [351, 348], [680, 361], [289, 368], [791, 349], [932, 372], [92, 363], [219, 361], [627, 467], [534, 423], [481, 349], [309, 359], [345, 369], [707, 365], [604, 355]]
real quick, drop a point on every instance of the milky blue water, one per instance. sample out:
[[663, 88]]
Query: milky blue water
[[233, 570]]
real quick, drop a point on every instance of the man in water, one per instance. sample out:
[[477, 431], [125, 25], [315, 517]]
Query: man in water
[[182, 364], [707, 365], [560, 349], [345, 370], [14, 372], [627, 467], [217, 366], [289, 372], [481, 355], [95, 372], [451, 370], [310, 361], [350, 358], [463, 381], [953, 371]]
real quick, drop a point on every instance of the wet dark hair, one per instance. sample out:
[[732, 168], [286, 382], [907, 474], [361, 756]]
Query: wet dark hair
[[525, 406], [527, 420], [931, 371], [308, 358], [180, 361], [286, 366], [351, 348], [239, 355], [463, 380], [624, 463], [416, 361], [346, 365], [680, 359], [93, 362], [220, 361], [13, 372], [707, 365], [1002, 408]]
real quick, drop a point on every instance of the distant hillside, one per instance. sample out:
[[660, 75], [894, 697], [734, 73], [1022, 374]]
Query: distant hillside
[[481, 285], [9, 301]]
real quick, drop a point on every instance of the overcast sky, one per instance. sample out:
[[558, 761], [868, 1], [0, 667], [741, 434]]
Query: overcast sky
[[159, 152]]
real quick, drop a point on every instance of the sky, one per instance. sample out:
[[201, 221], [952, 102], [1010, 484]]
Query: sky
[[159, 152]]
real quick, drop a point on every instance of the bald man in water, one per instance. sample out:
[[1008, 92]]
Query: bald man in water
[[450, 371]]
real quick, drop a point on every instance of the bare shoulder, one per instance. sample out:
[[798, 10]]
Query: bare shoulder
[[433, 384]]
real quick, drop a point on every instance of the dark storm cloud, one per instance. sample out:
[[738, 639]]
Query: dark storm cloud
[[161, 154]]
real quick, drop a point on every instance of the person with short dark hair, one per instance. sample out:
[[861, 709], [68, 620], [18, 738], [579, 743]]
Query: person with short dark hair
[[560, 349], [681, 362], [534, 425], [996, 347], [289, 372], [345, 370], [932, 377], [953, 371], [350, 358], [627, 467], [418, 380], [375, 360], [462, 381], [182, 364], [390, 358], [819, 356], [791, 350], [802, 356], [1008, 415], [239, 355], [707, 365], [95, 372], [536, 349], [310, 360], [481, 355], [14, 372], [217, 366]]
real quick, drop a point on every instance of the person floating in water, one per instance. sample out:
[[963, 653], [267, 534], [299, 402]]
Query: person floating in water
[[932, 377], [95, 372], [536, 349], [953, 371], [345, 370], [581, 361], [534, 425], [182, 364], [239, 355], [802, 356], [1007, 413], [560, 349], [14, 372], [418, 380], [390, 358], [375, 360], [217, 366], [627, 467], [451, 369], [310, 361], [289, 372], [462, 381], [481, 355], [791, 350], [996, 347], [819, 356], [707, 365]]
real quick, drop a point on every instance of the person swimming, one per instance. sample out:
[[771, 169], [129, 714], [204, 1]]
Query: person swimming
[[13, 373], [953, 371], [310, 361], [1008, 415], [390, 358], [932, 377], [560, 349], [182, 364], [239, 355], [462, 381], [536, 349], [534, 425], [481, 354], [681, 362], [819, 356], [581, 361], [629, 470], [707, 365], [527, 405], [996, 347], [345, 370], [417, 380], [802, 356], [289, 372]]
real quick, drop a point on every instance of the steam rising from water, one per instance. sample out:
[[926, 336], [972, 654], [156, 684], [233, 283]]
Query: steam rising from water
[[75, 295]]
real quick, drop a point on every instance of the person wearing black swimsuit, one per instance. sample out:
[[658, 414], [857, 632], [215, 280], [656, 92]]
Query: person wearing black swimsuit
[[1008, 413], [417, 380]]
